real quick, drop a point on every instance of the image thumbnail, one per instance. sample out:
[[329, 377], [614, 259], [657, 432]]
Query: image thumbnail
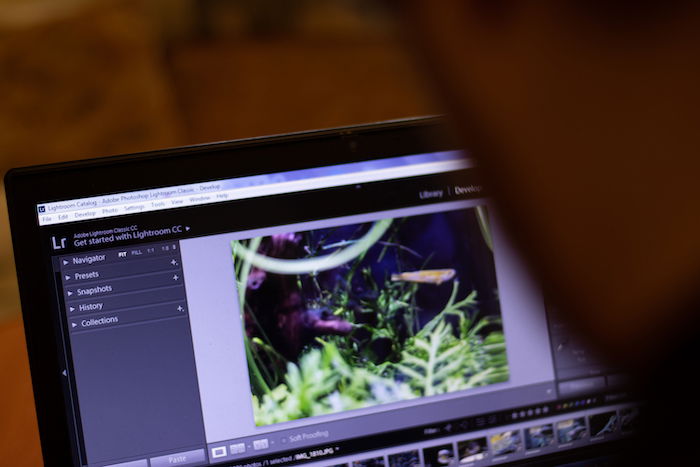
[[439, 456], [539, 436], [507, 442], [603, 423], [374, 462], [405, 459], [472, 450], [571, 430], [361, 315]]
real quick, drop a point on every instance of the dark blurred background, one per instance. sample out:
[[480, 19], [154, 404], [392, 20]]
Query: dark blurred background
[[87, 78]]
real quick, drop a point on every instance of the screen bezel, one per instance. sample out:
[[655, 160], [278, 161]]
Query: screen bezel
[[27, 187]]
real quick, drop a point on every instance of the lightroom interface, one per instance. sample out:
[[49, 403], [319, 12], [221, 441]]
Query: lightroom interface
[[365, 314]]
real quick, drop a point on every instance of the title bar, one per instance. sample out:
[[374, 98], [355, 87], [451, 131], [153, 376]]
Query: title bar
[[119, 204]]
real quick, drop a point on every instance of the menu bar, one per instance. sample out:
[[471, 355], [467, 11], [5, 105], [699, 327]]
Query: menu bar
[[240, 188]]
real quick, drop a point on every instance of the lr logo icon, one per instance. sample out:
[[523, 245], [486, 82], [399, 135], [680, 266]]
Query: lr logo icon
[[61, 244]]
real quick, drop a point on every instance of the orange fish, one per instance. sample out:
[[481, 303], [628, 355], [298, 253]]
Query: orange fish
[[426, 276]]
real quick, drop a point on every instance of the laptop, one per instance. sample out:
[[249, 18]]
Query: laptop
[[337, 297]]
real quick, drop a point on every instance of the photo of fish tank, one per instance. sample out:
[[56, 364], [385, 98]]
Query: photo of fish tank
[[540, 436], [571, 430], [439, 456], [405, 459], [603, 423], [506, 442], [373, 462], [354, 316], [472, 450]]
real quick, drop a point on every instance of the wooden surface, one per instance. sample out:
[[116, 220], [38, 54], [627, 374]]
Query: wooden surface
[[19, 436], [215, 91], [249, 88]]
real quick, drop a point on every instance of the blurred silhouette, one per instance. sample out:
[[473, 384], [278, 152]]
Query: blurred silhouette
[[584, 115]]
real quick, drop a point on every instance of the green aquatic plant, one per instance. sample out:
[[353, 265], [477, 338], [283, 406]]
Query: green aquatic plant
[[439, 362], [428, 363], [390, 355], [324, 381], [242, 270], [482, 216], [312, 265]]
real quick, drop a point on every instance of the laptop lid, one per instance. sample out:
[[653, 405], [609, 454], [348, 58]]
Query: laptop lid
[[329, 298]]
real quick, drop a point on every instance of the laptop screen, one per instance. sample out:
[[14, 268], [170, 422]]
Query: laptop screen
[[367, 313]]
